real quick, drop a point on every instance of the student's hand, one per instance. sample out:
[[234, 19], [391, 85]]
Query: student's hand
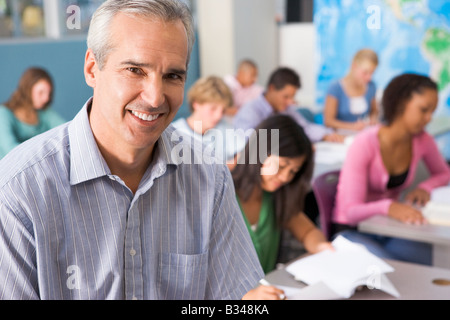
[[359, 125], [324, 246], [406, 213], [418, 197], [334, 137], [264, 293]]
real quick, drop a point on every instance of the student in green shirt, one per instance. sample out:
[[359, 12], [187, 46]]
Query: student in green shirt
[[270, 187], [27, 113]]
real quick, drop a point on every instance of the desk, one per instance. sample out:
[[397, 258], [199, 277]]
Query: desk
[[413, 282], [438, 236]]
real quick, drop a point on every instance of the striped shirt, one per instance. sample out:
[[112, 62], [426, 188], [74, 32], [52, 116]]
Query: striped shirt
[[69, 229]]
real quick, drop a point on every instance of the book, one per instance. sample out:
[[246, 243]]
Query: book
[[337, 274]]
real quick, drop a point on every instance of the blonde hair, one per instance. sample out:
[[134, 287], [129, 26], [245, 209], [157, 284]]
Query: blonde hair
[[366, 54], [210, 89]]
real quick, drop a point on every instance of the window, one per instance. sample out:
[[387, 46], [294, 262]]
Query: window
[[45, 18]]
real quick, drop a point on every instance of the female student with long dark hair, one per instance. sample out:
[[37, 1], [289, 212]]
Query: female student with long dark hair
[[381, 164], [271, 188]]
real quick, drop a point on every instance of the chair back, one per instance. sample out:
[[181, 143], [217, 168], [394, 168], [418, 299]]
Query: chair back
[[324, 188]]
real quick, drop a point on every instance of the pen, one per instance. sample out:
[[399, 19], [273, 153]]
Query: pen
[[264, 282]]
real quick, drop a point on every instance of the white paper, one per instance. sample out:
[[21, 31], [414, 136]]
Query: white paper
[[342, 270], [440, 195], [330, 152]]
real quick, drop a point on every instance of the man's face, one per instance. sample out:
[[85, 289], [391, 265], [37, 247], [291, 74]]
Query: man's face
[[141, 86]]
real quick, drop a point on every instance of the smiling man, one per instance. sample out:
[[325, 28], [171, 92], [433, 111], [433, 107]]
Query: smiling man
[[96, 208]]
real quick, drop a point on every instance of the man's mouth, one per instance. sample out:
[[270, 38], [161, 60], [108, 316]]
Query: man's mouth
[[145, 117]]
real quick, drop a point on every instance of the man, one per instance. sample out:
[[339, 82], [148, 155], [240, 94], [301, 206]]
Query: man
[[98, 208], [279, 98]]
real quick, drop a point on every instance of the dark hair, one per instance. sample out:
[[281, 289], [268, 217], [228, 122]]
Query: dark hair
[[293, 142], [400, 90], [282, 77], [22, 95]]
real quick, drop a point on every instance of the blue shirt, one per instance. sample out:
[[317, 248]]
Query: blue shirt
[[344, 109], [69, 229], [254, 112]]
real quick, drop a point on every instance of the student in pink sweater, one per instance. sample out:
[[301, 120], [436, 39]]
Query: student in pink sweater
[[381, 163]]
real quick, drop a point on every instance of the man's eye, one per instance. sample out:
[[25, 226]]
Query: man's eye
[[135, 70], [173, 76]]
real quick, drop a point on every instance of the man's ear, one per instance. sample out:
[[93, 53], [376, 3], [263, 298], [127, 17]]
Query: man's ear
[[90, 68]]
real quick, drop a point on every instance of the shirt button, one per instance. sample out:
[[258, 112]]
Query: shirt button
[[132, 252]]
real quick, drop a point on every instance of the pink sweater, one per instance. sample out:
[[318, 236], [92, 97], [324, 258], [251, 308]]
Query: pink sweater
[[362, 189]]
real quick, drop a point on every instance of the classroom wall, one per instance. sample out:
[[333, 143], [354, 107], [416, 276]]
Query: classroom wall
[[297, 50], [230, 30], [64, 59]]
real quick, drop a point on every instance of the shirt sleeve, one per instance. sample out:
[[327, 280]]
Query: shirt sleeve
[[436, 164], [234, 268], [353, 187], [18, 272], [314, 131], [334, 90]]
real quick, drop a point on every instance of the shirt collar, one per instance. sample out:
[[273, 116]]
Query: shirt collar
[[86, 160]]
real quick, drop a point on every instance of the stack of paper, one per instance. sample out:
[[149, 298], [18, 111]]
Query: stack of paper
[[337, 274], [437, 210]]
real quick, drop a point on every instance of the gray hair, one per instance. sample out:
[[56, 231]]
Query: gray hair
[[99, 36]]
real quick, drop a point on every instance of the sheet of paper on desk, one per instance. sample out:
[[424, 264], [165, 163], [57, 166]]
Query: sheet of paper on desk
[[330, 152], [343, 270]]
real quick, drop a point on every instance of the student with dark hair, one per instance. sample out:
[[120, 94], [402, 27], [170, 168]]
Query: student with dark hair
[[271, 188], [27, 113], [381, 163], [278, 97]]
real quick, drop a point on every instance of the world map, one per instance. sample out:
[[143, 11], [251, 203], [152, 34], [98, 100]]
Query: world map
[[408, 36]]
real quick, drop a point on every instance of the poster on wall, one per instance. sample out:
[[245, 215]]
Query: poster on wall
[[408, 36]]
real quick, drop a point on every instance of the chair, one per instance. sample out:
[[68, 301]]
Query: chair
[[324, 188]]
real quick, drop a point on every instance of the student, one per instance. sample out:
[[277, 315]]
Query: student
[[350, 102], [279, 98], [209, 98], [243, 84], [97, 208], [271, 189], [27, 113], [381, 163]]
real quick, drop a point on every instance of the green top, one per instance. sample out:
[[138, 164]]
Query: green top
[[266, 236], [13, 132]]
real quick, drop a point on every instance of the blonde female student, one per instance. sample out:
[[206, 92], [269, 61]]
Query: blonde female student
[[350, 102], [271, 189], [381, 164]]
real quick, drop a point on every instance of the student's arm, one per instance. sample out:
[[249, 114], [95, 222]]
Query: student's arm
[[330, 119], [8, 139], [308, 234], [437, 167], [374, 113], [353, 187]]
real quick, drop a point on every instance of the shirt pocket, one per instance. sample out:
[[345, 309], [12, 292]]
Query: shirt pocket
[[181, 276]]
